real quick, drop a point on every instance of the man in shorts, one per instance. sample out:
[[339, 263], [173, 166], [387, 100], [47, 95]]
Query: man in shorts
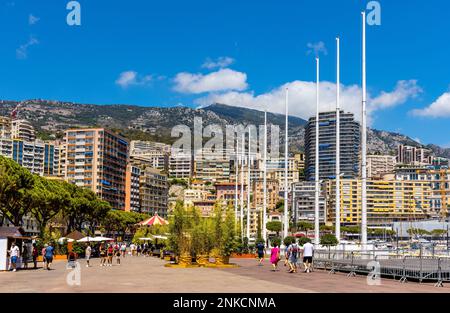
[[260, 249], [308, 252], [14, 253], [49, 251]]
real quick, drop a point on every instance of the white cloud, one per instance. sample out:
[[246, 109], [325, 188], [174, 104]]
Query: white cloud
[[220, 62], [439, 108], [22, 51], [33, 19], [132, 78], [222, 80], [404, 90], [302, 98], [316, 48]]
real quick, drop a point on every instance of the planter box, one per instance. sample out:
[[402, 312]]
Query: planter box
[[243, 256], [55, 257]]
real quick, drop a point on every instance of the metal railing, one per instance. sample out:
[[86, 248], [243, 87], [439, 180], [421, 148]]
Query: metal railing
[[389, 264]]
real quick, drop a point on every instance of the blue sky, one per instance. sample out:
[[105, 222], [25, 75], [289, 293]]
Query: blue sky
[[167, 53]]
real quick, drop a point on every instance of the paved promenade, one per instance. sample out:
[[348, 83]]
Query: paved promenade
[[139, 274]]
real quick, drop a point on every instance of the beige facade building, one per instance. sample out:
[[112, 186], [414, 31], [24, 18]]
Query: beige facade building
[[154, 192], [96, 158], [379, 165], [22, 129]]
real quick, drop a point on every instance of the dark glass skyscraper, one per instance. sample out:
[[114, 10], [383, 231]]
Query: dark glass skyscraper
[[350, 146]]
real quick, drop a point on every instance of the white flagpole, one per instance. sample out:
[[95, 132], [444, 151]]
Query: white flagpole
[[264, 232], [236, 182], [317, 179], [338, 144], [286, 164], [241, 215], [249, 185], [364, 142]]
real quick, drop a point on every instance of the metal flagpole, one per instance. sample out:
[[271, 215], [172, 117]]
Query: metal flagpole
[[338, 144], [236, 182], [286, 164], [241, 215], [316, 202], [264, 232], [364, 141], [249, 186]]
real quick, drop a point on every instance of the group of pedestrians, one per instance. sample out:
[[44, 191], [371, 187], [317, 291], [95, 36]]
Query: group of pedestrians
[[16, 255], [108, 252], [292, 253]]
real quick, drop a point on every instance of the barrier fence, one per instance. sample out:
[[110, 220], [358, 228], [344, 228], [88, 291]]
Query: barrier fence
[[385, 264]]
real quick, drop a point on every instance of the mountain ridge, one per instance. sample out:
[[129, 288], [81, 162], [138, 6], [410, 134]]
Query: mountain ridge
[[155, 123]]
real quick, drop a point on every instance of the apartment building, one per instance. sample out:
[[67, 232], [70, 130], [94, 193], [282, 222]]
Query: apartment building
[[437, 178], [387, 201], [349, 146], [226, 191], [273, 193], [154, 192], [212, 167], [22, 129], [96, 158], [276, 171], [5, 127], [148, 153], [379, 165], [180, 165], [303, 202], [409, 155], [132, 188]]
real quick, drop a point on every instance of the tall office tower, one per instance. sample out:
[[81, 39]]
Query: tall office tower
[[153, 192], [5, 127], [22, 129], [96, 158], [349, 146]]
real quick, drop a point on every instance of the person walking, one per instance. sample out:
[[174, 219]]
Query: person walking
[[123, 249], [308, 252], [44, 261], [35, 254], [133, 249], [87, 254], [293, 257], [14, 253], [102, 255], [138, 250], [110, 252], [117, 253], [49, 251], [260, 250], [275, 256], [25, 256]]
